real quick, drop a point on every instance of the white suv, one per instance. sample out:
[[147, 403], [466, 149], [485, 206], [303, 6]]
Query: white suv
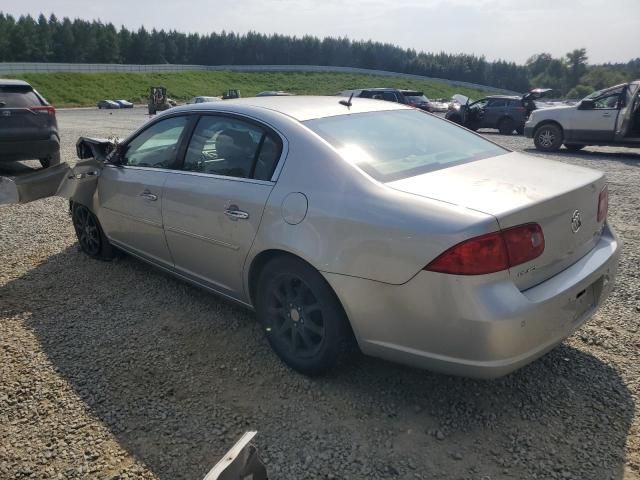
[[606, 117]]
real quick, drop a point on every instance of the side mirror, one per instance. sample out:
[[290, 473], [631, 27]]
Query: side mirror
[[587, 104]]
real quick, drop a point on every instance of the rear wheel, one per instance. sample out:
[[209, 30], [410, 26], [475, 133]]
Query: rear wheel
[[47, 162], [548, 138], [302, 318], [574, 147], [506, 126], [91, 238]]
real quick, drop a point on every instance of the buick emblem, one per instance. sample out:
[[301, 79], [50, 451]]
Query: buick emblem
[[576, 221]]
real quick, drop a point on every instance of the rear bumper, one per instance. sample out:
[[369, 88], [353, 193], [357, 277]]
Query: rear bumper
[[528, 131], [479, 326], [29, 149]]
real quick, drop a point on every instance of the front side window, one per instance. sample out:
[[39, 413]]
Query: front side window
[[608, 101], [157, 146], [233, 148], [396, 144]]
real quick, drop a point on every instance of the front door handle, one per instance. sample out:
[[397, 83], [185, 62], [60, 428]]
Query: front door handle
[[147, 195], [235, 214], [606, 115]]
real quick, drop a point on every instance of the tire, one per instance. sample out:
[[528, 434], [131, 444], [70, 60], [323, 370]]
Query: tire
[[91, 238], [548, 138], [303, 319], [506, 126], [50, 161], [574, 147]]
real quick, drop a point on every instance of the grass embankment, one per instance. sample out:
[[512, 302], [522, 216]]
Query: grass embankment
[[85, 89]]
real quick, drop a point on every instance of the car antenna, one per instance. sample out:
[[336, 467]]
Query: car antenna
[[346, 103]]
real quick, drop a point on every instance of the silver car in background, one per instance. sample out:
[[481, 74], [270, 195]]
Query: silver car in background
[[335, 220]]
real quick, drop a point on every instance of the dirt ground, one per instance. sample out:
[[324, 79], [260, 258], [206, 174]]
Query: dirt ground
[[118, 371]]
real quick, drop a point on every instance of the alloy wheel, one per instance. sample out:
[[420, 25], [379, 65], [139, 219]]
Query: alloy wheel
[[546, 137], [87, 230], [295, 316]]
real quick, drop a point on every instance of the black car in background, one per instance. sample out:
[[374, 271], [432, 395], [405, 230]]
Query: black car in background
[[28, 125], [503, 112], [408, 97]]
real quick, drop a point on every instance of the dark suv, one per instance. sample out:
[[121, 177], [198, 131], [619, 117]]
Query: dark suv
[[28, 126], [407, 97], [506, 113]]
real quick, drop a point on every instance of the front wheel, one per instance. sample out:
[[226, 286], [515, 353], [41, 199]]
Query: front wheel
[[548, 138], [91, 238], [301, 315]]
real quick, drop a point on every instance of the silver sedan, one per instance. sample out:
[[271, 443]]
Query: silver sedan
[[356, 223]]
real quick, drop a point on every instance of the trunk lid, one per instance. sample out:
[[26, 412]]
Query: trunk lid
[[518, 189]]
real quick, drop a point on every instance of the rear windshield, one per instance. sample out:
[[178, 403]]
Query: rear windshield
[[18, 97], [396, 144]]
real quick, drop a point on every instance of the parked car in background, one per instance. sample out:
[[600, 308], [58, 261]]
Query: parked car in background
[[423, 251], [273, 93], [606, 117], [203, 99], [124, 103], [108, 104], [440, 105], [407, 97], [28, 125], [503, 112]]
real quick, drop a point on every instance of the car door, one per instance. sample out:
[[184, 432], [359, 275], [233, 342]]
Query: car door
[[493, 112], [212, 208], [599, 122], [130, 189]]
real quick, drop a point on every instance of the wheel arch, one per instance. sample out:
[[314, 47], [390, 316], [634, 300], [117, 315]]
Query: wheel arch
[[264, 257], [542, 123]]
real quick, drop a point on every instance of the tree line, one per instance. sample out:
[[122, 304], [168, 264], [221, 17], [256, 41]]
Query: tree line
[[79, 41]]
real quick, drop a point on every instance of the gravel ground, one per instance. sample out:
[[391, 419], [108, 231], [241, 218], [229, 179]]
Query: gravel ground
[[115, 370]]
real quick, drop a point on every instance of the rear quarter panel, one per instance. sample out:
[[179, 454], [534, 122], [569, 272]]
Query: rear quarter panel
[[354, 225]]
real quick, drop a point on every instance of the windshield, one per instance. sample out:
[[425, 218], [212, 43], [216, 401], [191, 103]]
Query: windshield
[[396, 144]]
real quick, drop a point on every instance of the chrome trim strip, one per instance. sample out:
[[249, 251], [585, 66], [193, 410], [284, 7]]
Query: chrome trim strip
[[222, 177], [131, 217], [203, 238]]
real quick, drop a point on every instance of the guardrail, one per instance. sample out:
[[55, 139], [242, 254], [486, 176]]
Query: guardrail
[[16, 68]]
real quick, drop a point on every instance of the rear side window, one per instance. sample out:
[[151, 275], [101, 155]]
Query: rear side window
[[497, 103], [396, 144], [18, 97], [389, 96], [231, 147]]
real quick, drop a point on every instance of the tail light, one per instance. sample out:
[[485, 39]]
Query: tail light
[[44, 108], [603, 204], [492, 252]]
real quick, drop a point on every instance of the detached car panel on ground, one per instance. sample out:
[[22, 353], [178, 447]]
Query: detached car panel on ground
[[606, 117], [426, 243]]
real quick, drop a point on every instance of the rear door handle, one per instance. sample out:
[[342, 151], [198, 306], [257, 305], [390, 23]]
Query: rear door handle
[[147, 195], [606, 114], [236, 214]]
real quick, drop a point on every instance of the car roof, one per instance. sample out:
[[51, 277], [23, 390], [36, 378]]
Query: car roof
[[507, 97], [6, 82], [301, 108]]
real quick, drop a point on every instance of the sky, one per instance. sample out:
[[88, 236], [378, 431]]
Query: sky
[[498, 29]]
